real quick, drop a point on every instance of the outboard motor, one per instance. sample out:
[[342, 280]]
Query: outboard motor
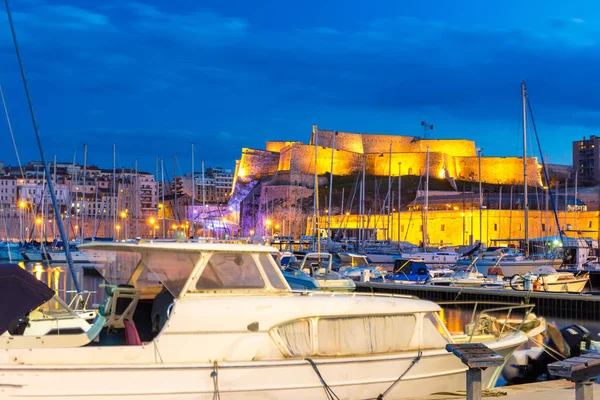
[[577, 338], [525, 366]]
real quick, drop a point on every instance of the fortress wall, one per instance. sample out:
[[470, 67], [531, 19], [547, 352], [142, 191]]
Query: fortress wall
[[464, 148], [343, 140], [302, 160], [257, 163], [285, 159], [278, 146], [500, 170]]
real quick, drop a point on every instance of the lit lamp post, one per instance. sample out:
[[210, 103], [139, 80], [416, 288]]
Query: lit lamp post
[[22, 206], [268, 224], [123, 215], [118, 228], [152, 222], [38, 222], [174, 227]]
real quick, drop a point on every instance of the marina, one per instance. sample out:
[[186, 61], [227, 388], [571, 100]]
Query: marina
[[174, 224]]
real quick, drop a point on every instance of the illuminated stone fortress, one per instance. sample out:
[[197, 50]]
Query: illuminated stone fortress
[[274, 187]]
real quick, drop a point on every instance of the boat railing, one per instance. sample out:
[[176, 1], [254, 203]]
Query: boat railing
[[79, 301], [507, 309]]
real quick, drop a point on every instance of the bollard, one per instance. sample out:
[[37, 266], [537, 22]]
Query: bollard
[[581, 370], [477, 357]]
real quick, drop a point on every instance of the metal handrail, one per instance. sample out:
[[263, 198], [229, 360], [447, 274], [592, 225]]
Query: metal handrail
[[510, 307]]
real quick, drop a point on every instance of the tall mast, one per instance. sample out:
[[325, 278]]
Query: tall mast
[[362, 190], [84, 207], [426, 211], [175, 213], [114, 196], [63, 235], [156, 182], [136, 200], [388, 233], [330, 186], [316, 194], [399, 200], [193, 196], [164, 208], [203, 202], [526, 198]]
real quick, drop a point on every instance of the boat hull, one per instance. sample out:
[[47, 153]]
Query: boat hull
[[512, 268], [368, 377]]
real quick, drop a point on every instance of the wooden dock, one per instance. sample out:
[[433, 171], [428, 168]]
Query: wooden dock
[[559, 305], [550, 390]]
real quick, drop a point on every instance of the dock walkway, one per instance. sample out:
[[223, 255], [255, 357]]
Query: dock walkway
[[551, 390], [561, 305]]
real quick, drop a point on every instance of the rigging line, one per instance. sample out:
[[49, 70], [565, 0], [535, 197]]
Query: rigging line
[[328, 391], [61, 228], [414, 361], [12, 136], [545, 169]]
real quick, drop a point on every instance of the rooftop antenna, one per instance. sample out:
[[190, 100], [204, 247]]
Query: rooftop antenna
[[427, 127]]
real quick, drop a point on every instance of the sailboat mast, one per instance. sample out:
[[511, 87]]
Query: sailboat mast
[[84, 207], [362, 200], [175, 211], [316, 192], [114, 194], [426, 211], [164, 208], [388, 233], [63, 235], [399, 201], [203, 202], [525, 195], [330, 186], [193, 196]]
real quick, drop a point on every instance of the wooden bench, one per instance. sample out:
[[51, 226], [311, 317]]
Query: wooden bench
[[582, 370], [477, 357]]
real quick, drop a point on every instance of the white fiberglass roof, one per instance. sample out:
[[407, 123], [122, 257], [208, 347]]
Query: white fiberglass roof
[[179, 246]]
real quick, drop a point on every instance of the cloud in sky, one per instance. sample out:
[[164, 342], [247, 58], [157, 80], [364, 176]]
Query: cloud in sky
[[155, 77]]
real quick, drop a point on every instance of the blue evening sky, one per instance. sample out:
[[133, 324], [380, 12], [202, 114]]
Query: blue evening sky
[[156, 76]]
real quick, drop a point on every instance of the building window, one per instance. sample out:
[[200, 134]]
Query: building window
[[443, 228], [543, 227], [589, 224], [520, 227], [495, 227]]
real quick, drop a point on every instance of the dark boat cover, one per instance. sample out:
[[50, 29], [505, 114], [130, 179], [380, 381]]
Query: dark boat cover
[[20, 292]]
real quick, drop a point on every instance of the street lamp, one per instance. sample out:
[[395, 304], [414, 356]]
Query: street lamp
[[118, 228], [268, 224], [123, 215]]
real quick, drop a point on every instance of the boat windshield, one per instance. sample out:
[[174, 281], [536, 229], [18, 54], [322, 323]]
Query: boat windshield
[[360, 261], [116, 267]]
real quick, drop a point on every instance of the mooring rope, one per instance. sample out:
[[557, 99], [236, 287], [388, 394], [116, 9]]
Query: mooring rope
[[328, 391], [215, 376], [484, 393], [414, 361]]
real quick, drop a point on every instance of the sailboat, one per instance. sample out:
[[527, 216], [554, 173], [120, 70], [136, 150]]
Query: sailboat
[[515, 263]]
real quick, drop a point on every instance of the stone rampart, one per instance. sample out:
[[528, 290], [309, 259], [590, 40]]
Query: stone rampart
[[256, 164], [499, 170]]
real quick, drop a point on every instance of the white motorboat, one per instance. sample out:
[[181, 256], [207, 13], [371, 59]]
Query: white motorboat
[[319, 266], [77, 256], [228, 325], [509, 262], [434, 259], [547, 279], [468, 277]]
